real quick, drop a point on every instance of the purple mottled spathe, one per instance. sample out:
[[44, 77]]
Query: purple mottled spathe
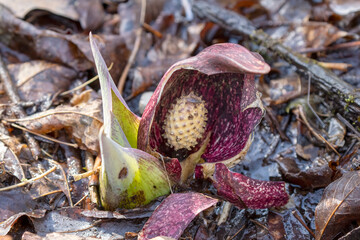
[[223, 76], [245, 192], [174, 214]]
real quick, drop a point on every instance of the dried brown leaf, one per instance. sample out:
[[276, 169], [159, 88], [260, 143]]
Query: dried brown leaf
[[82, 121], [313, 35], [311, 178], [339, 206], [69, 50], [37, 79]]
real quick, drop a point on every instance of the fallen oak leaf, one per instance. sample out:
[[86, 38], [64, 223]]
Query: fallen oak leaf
[[245, 192], [339, 206], [174, 214]]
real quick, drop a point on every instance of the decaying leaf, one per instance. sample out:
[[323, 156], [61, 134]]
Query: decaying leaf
[[83, 122], [69, 50], [338, 207], [174, 214], [314, 35], [311, 178], [6, 225], [71, 221], [37, 79]]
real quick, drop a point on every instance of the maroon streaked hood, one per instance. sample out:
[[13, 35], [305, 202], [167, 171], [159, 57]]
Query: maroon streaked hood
[[205, 109]]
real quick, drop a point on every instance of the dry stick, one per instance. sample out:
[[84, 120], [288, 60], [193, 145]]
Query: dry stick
[[312, 130], [48, 193], [149, 28], [82, 199], [18, 111], [85, 83], [226, 208], [39, 116], [296, 215], [84, 229], [335, 47], [77, 177], [232, 237], [135, 49], [94, 183], [337, 90], [336, 66], [93, 191], [260, 224], [167, 175], [344, 121], [309, 105], [65, 180], [28, 181]]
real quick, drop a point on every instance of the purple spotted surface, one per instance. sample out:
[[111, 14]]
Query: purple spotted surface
[[174, 214], [223, 76], [245, 192]]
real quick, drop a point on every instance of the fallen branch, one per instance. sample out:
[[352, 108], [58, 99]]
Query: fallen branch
[[342, 94], [28, 181]]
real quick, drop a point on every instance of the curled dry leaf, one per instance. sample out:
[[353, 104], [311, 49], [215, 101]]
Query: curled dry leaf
[[11, 161], [245, 192], [17, 209], [339, 206], [174, 214], [83, 122]]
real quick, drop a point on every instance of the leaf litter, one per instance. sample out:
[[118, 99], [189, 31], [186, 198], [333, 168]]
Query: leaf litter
[[47, 52]]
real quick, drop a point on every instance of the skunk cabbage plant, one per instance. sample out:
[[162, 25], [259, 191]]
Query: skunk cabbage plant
[[205, 109], [199, 122]]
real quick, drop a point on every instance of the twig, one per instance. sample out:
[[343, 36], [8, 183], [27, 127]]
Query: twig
[[232, 237], [167, 176], [84, 229], [224, 213], [28, 181], [317, 135], [10, 89], [344, 121], [309, 105], [335, 47], [48, 193], [85, 83], [273, 119], [77, 177], [65, 180], [131, 59], [296, 215], [31, 118], [149, 28], [260, 224], [94, 182], [337, 66], [74, 145], [82, 199]]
